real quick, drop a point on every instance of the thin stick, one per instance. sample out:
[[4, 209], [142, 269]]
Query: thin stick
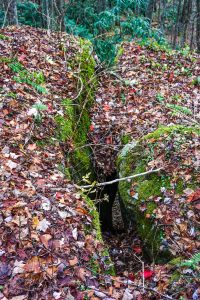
[[152, 290], [119, 179], [143, 279]]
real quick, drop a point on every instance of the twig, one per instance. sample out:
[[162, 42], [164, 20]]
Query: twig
[[96, 145], [119, 179], [81, 88], [147, 289], [153, 290], [143, 278]]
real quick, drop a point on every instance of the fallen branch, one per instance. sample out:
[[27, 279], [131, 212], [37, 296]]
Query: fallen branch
[[119, 179]]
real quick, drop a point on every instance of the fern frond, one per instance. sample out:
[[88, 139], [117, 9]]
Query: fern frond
[[193, 262]]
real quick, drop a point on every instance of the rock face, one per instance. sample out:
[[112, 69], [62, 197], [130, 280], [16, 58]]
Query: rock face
[[163, 205]]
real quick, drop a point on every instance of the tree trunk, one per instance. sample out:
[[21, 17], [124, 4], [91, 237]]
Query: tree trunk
[[161, 16], [53, 12], [150, 7], [198, 25], [177, 24], [10, 9], [185, 19]]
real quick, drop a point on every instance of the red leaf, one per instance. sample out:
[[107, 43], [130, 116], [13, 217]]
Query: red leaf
[[171, 76], [147, 274], [106, 107], [41, 181], [197, 206], [59, 196], [50, 107], [22, 58], [91, 127], [131, 276], [194, 196], [33, 265], [137, 250], [109, 140], [163, 56]]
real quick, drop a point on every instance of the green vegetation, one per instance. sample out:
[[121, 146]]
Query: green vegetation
[[171, 129], [125, 139], [109, 269], [193, 262], [105, 25], [95, 217], [139, 194], [65, 124], [3, 37], [5, 60], [196, 81], [34, 79], [133, 163], [39, 107], [74, 125]]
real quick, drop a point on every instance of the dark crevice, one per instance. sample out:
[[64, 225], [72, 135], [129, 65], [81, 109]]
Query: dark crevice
[[106, 197], [120, 236]]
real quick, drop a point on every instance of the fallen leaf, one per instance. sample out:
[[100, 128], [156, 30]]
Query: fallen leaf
[[33, 265], [73, 262], [11, 164], [32, 147], [45, 238], [147, 274], [43, 225]]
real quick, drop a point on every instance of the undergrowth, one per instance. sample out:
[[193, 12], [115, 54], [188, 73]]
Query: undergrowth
[[34, 79]]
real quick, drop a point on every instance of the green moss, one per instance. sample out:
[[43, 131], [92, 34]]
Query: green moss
[[45, 142], [96, 226], [119, 54], [150, 187], [179, 186], [65, 128], [125, 139], [74, 125], [6, 59], [108, 265], [171, 129], [81, 161], [3, 37], [95, 217], [139, 205]]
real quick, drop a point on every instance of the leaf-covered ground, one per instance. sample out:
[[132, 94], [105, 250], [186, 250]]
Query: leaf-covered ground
[[148, 87], [49, 245]]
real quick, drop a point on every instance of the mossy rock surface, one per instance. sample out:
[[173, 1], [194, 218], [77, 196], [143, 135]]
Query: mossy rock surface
[[74, 122], [173, 149]]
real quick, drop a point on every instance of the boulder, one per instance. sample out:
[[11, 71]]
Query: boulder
[[163, 205]]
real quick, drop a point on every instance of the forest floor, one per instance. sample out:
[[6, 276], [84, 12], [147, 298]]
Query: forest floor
[[49, 247], [147, 88]]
